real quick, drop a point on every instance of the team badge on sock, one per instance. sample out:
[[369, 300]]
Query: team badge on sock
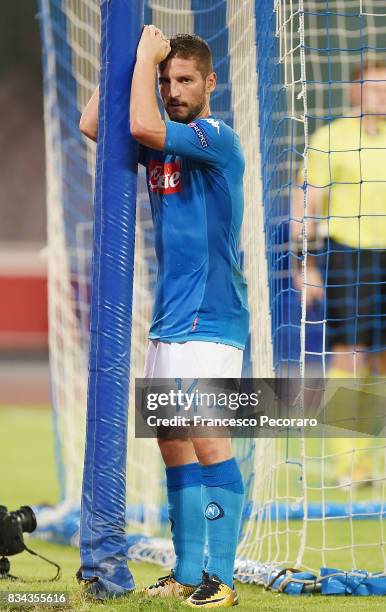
[[213, 511]]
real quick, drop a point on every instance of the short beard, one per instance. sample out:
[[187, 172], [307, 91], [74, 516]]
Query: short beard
[[193, 113]]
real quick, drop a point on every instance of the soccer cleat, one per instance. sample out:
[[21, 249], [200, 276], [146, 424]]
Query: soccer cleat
[[167, 586], [212, 593]]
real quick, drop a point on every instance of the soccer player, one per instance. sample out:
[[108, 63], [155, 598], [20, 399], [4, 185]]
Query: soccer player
[[194, 166]]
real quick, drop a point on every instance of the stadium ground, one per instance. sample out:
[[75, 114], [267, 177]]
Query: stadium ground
[[27, 476]]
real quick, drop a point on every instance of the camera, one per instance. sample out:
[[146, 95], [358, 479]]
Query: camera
[[12, 526]]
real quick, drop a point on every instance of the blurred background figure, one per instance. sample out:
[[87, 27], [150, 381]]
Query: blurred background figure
[[346, 232], [346, 206]]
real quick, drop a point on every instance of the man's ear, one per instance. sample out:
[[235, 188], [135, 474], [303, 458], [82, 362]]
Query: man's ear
[[211, 81]]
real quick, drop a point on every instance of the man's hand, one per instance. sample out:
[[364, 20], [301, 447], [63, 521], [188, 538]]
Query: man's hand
[[153, 46]]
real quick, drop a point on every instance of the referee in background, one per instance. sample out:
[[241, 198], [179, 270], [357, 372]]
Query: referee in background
[[346, 207]]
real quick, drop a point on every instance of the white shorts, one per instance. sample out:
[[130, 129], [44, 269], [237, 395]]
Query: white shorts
[[195, 359]]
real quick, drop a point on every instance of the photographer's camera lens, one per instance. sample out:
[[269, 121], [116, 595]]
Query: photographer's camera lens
[[27, 518]]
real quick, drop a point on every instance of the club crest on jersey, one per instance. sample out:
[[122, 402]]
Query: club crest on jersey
[[201, 135], [213, 511], [165, 177]]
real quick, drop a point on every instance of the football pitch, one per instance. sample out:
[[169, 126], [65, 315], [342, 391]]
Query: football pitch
[[27, 477]]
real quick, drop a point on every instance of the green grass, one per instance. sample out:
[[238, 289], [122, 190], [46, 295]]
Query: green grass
[[252, 598], [27, 476], [27, 465]]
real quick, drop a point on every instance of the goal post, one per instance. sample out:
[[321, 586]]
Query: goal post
[[103, 544]]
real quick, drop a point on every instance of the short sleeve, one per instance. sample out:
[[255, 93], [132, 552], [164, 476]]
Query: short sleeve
[[318, 161], [207, 140]]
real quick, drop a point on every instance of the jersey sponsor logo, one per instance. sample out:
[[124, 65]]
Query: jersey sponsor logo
[[214, 123], [202, 137], [165, 177], [213, 511]]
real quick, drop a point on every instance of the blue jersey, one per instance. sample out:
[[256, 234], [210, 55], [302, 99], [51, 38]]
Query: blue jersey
[[196, 194]]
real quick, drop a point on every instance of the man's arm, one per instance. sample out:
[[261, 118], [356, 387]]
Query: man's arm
[[146, 124], [145, 120], [88, 124]]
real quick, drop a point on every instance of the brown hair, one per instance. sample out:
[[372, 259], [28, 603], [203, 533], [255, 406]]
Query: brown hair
[[190, 46]]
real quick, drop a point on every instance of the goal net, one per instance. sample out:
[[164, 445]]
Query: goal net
[[285, 69]]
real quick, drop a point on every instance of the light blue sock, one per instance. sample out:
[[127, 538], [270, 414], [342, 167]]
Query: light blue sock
[[187, 521], [222, 504]]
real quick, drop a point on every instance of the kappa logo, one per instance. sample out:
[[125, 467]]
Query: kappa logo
[[202, 137], [165, 178], [214, 123], [213, 511]]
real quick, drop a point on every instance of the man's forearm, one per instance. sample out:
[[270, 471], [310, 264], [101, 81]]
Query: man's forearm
[[146, 124]]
